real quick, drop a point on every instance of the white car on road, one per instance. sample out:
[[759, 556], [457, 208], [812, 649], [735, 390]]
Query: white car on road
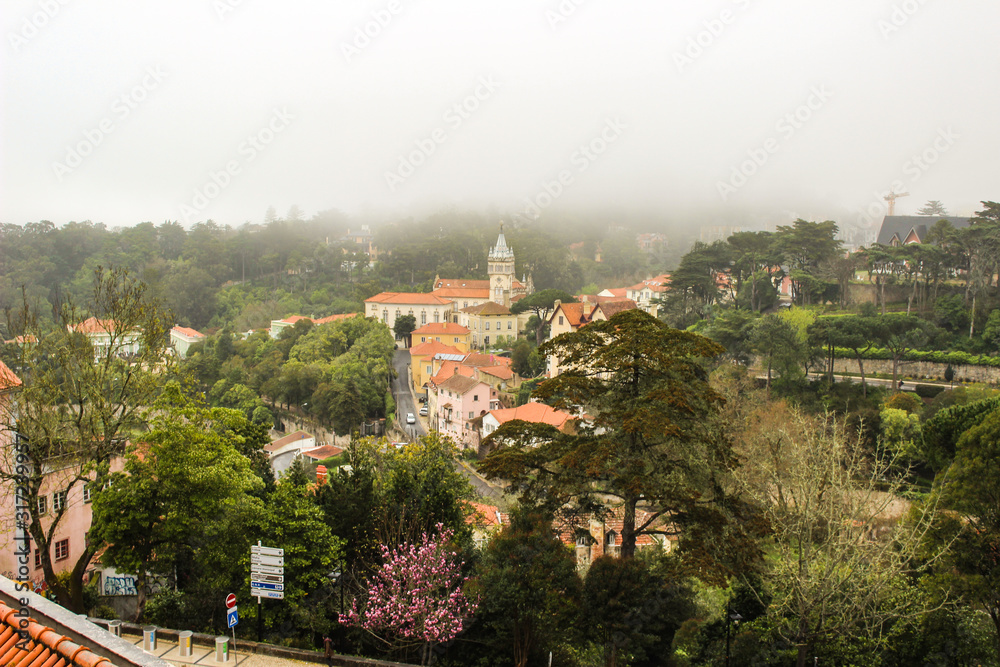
[[410, 419]]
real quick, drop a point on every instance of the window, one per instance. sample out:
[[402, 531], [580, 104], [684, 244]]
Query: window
[[62, 549], [38, 559], [423, 317], [471, 414], [486, 340], [560, 319], [611, 538], [428, 370], [58, 500], [437, 317], [385, 316], [509, 325], [86, 493], [475, 397], [43, 504]]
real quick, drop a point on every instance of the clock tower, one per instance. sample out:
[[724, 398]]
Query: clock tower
[[501, 271]]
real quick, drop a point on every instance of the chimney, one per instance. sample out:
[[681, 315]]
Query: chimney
[[321, 475]]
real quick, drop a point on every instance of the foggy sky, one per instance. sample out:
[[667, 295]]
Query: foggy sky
[[123, 111]]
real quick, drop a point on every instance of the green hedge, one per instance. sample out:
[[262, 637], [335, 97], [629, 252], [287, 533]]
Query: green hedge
[[938, 356], [928, 390]]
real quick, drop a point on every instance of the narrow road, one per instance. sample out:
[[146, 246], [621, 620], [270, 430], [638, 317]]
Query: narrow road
[[403, 395]]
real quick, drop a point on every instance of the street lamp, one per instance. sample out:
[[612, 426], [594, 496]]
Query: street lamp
[[732, 618]]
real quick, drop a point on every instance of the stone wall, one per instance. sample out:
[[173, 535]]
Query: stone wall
[[920, 369]]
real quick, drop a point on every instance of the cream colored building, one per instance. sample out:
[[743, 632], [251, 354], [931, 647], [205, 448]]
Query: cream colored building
[[425, 308], [487, 323]]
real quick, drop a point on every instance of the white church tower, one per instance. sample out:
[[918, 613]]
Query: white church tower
[[501, 271]]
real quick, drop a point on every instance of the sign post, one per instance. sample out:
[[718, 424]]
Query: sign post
[[232, 618], [267, 578]]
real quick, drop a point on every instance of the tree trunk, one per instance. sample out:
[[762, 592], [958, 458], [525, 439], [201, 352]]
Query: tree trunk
[[861, 367], [800, 660], [628, 528]]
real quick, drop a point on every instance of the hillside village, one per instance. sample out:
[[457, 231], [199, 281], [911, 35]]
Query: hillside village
[[589, 420]]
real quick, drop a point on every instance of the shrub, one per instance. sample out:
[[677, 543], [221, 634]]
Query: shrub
[[928, 390]]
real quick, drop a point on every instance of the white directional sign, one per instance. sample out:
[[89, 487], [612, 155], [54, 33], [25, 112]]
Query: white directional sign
[[276, 561], [262, 593], [267, 570], [266, 551]]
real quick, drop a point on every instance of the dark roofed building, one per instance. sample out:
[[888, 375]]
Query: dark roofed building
[[899, 230]]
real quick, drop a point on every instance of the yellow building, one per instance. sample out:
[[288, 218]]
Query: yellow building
[[422, 360], [448, 333], [487, 323]]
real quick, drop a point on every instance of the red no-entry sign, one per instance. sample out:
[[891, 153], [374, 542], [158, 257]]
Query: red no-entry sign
[[230, 601]]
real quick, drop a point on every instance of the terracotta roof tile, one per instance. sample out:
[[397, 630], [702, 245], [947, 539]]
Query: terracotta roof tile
[[188, 332], [460, 384], [45, 648], [611, 308], [486, 516], [8, 379], [441, 328], [94, 325], [334, 318], [488, 308], [450, 368], [408, 298], [452, 293], [477, 359], [537, 413], [324, 452]]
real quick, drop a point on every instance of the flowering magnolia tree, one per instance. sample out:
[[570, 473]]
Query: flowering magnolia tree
[[416, 597]]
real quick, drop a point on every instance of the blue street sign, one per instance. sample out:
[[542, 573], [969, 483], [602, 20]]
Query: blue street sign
[[267, 586], [232, 617]]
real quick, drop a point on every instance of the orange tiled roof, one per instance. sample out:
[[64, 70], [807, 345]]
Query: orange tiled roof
[[502, 372], [407, 298], [450, 368], [452, 293], [462, 283], [441, 328], [94, 325], [8, 379], [611, 308], [324, 452], [334, 318], [460, 384], [188, 332], [488, 308], [537, 413], [478, 359], [431, 348], [46, 648], [575, 313], [486, 516]]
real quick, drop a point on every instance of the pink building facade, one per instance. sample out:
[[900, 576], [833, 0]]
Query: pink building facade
[[460, 400]]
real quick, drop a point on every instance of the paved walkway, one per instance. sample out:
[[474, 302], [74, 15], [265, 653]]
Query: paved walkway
[[205, 656]]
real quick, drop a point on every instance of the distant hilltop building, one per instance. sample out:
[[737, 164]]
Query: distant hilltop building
[[502, 287], [449, 296], [900, 230]]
